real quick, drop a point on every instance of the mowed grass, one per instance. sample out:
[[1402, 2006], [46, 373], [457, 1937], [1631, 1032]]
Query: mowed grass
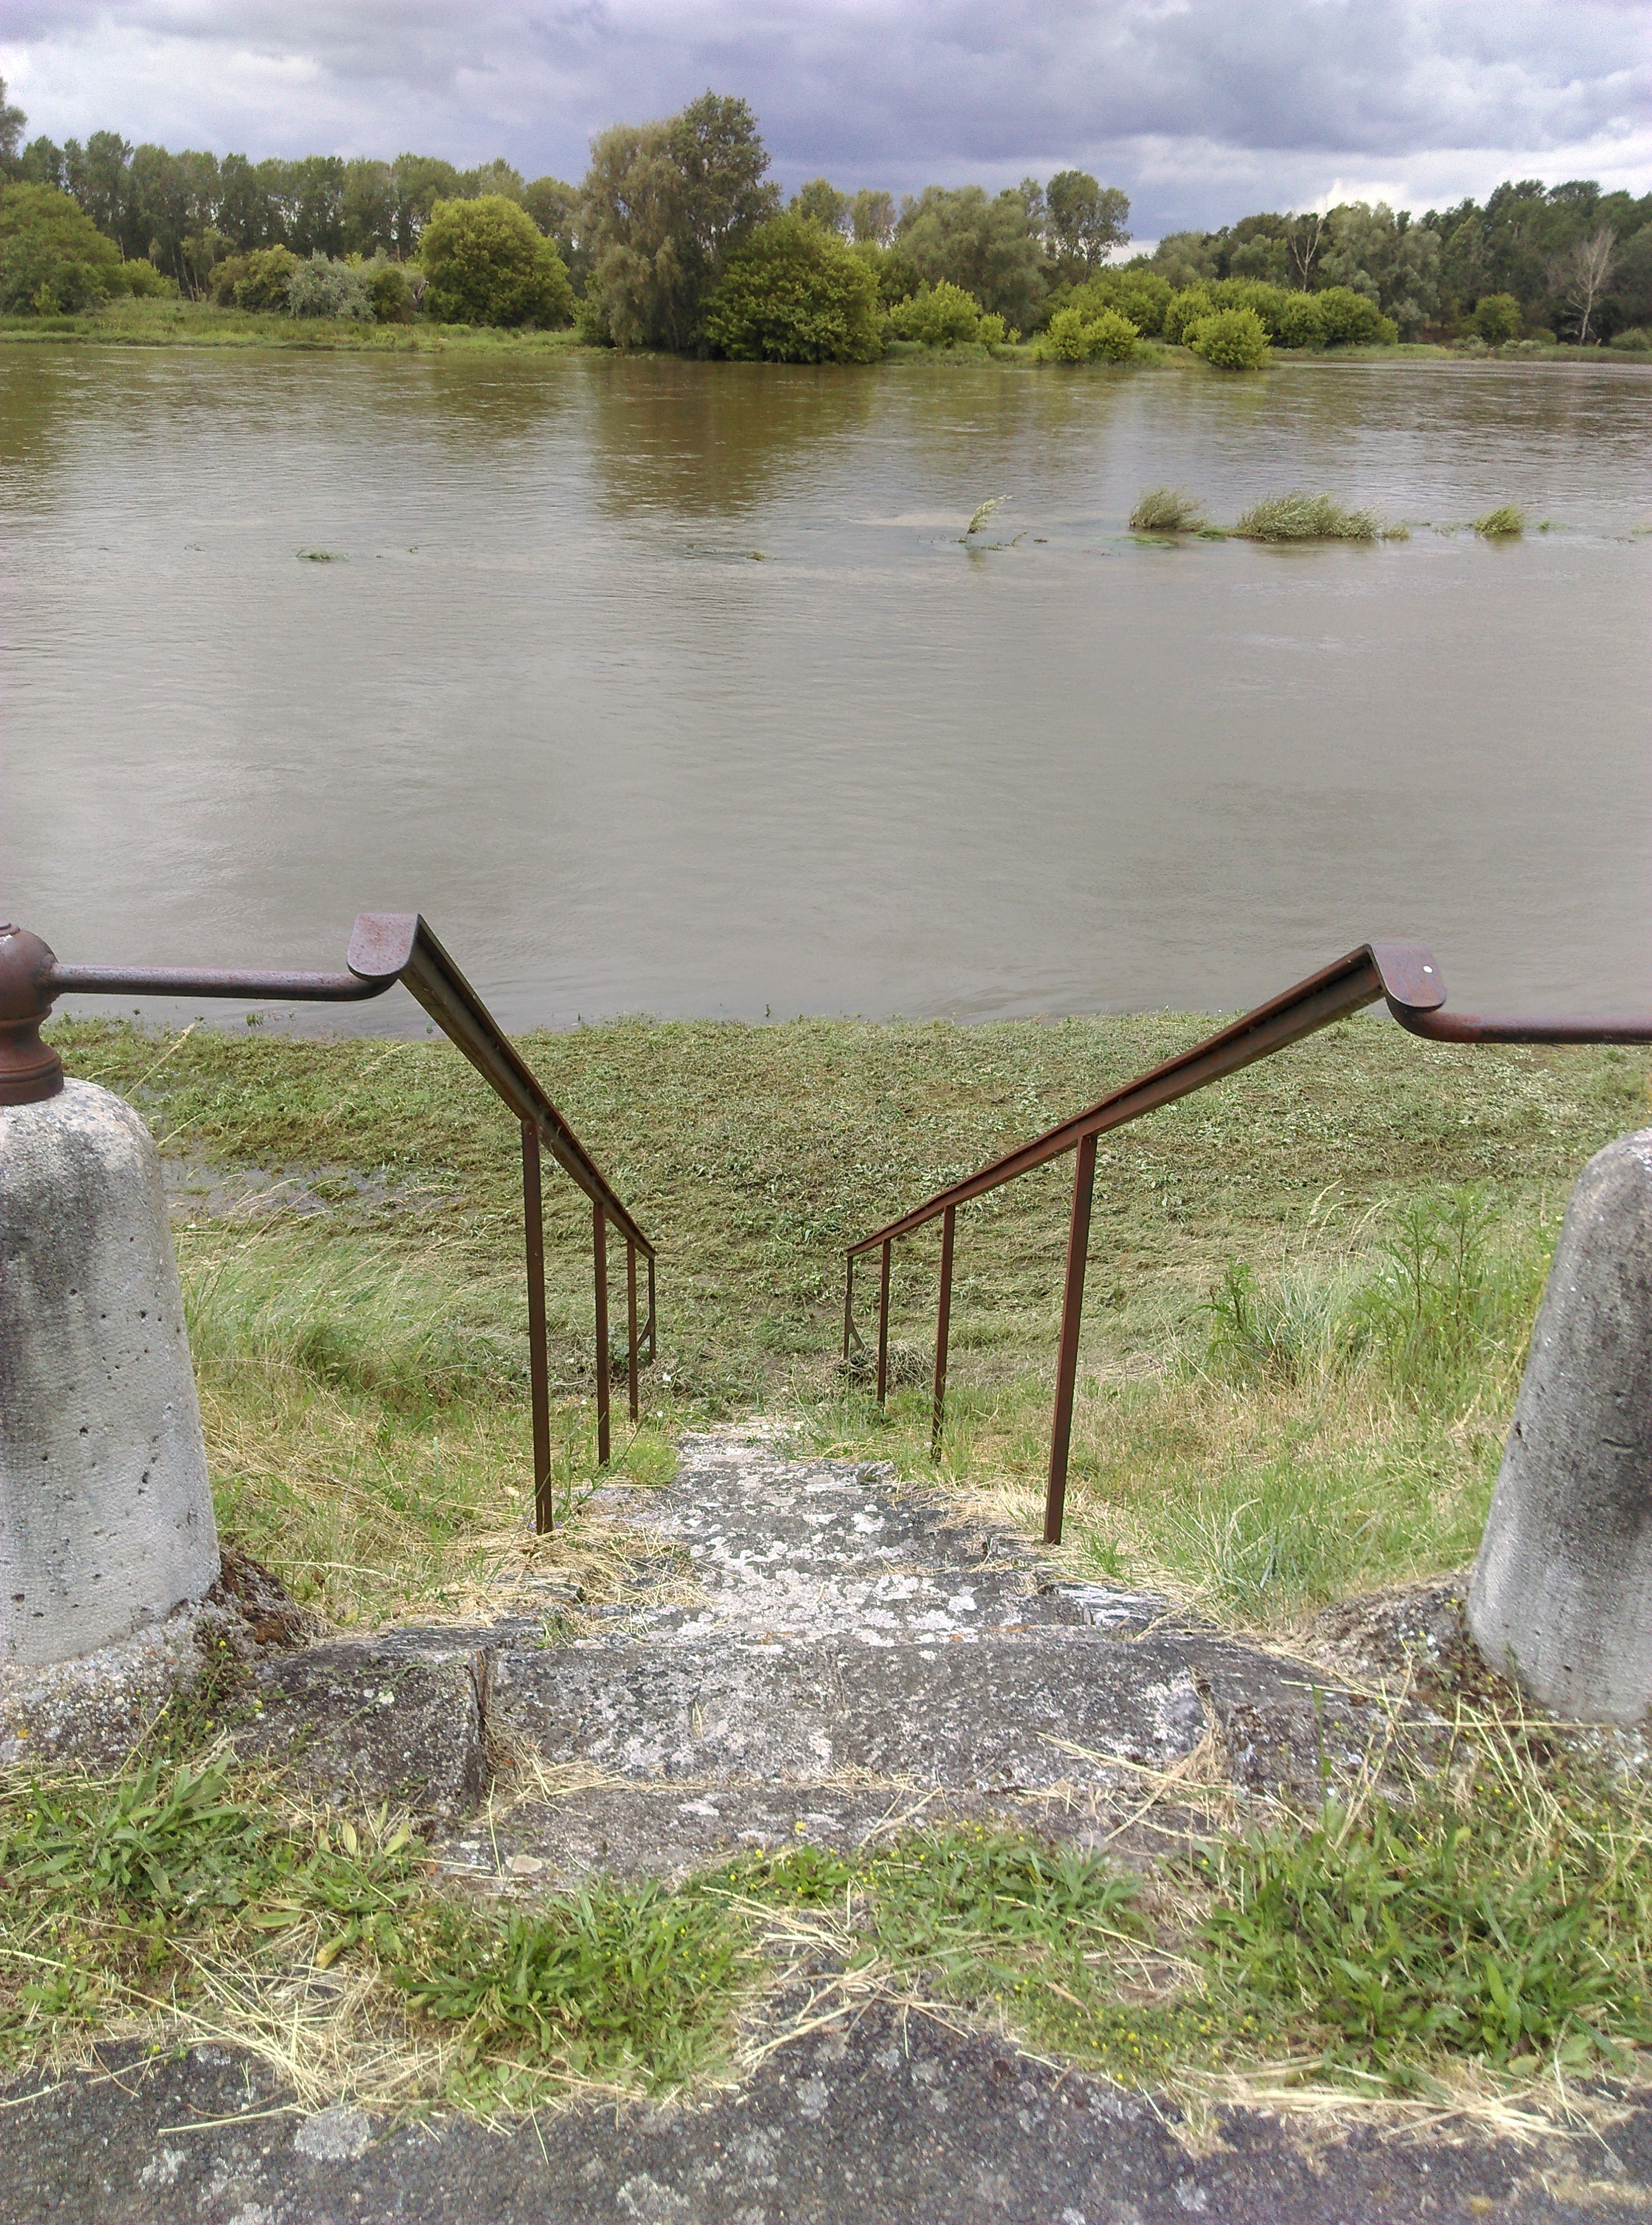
[[1268, 1416]]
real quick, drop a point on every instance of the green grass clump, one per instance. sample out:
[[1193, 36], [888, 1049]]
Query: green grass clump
[[1167, 509], [1507, 522], [1302, 516], [1510, 1925]]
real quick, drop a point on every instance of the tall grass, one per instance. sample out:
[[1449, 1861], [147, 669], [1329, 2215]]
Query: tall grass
[[1506, 523], [1167, 509], [1303, 517]]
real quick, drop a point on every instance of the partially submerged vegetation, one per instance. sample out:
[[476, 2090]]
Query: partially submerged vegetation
[[1167, 509], [1301, 516], [1506, 523]]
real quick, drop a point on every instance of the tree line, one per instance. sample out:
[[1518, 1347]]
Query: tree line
[[677, 238]]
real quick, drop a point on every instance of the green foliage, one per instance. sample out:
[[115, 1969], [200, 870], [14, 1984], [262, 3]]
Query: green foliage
[[1636, 340], [1303, 517], [1496, 319], [1084, 221], [1183, 309], [611, 1983], [486, 262], [1514, 1931], [1167, 509], [1135, 292], [992, 332], [1073, 337], [1232, 339], [256, 280], [143, 281], [322, 288], [796, 293], [53, 259], [821, 204], [987, 248], [871, 218], [1297, 323], [663, 205], [1349, 320], [895, 271], [1506, 523], [389, 291], [937, 315]]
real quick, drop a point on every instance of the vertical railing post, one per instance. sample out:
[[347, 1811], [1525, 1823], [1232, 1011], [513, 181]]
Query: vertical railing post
[[848, 1303], [599, 1260], [632, 1355], [533, 1221], [883, 1323], [1072, 1308], [653, 1331], [943, 1321]]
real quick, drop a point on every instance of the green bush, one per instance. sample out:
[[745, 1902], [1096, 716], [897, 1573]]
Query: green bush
[[1232, 339], [390, 292], [256, 280], [1187, 308], [53, 259], [1071, 337], [938, 316], [1506, 523], [487, 263], [992, 331], [322, 288], [140, 278], [796, 293], [1350, 320], [1298, 323], [1637, 340], [1141, 296], [1496, 319]]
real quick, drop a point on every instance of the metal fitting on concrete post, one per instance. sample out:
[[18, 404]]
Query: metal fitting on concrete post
[[1561, 1593], [105, 1518]]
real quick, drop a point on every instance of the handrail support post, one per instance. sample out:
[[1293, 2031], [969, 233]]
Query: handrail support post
[[883, 1324], [533, 1219], [631, 1355], [943, 1322], [1072, 1309], [599, 1264]]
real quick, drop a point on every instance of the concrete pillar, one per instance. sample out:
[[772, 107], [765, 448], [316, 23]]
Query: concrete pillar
[[1561, 1593], [105, 1518]]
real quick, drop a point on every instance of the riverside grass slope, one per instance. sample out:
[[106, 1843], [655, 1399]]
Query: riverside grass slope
[[1310, 1291]]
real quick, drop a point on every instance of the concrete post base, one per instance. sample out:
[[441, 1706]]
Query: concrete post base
[[106, 1517], [1561, 1593]]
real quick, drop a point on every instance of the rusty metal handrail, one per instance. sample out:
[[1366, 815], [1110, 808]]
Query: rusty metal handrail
[[386, 947], [1404, 973]]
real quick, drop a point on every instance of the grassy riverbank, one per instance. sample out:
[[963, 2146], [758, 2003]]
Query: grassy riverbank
[[1309, 1294], [1311, 1291], [126, 322]]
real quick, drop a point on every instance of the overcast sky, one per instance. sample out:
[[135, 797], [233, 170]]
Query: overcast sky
[[1200, 109]]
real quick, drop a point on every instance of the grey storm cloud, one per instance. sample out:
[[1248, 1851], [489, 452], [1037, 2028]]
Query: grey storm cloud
[[1197, 107]]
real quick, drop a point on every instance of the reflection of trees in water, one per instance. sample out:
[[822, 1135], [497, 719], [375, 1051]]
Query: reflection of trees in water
[[37, 417], [710, 439]]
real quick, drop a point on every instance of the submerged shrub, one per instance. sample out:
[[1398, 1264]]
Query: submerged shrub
[[1072, 337], [1302, 516], [796, 293], [1350, 321], [1187, 308], [937, 316], [1299, 324], [1496, 319], [322, 288], [1232, 339], [1503, 524], [1167, 509]]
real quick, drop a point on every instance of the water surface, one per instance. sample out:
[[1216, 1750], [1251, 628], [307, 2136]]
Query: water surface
[[669, 687]]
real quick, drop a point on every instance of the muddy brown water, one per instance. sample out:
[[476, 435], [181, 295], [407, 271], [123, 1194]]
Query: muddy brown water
[[667, 687]]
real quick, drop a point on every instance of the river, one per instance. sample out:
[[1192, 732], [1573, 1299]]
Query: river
[[670, 687]]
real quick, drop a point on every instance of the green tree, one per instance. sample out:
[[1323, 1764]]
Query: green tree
[[1391, 261], [990, 248], [821, 203], [938, 316], [498, 176], [42, 164], [1496, 319], [368, 210], [1135, 291], [663, 205], [52, 258], [99, 179], [872, 217], [794, 292], [555, 207], [1351, 320], [1085, 221], [487, 263], [420, 182], [12, 121]]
